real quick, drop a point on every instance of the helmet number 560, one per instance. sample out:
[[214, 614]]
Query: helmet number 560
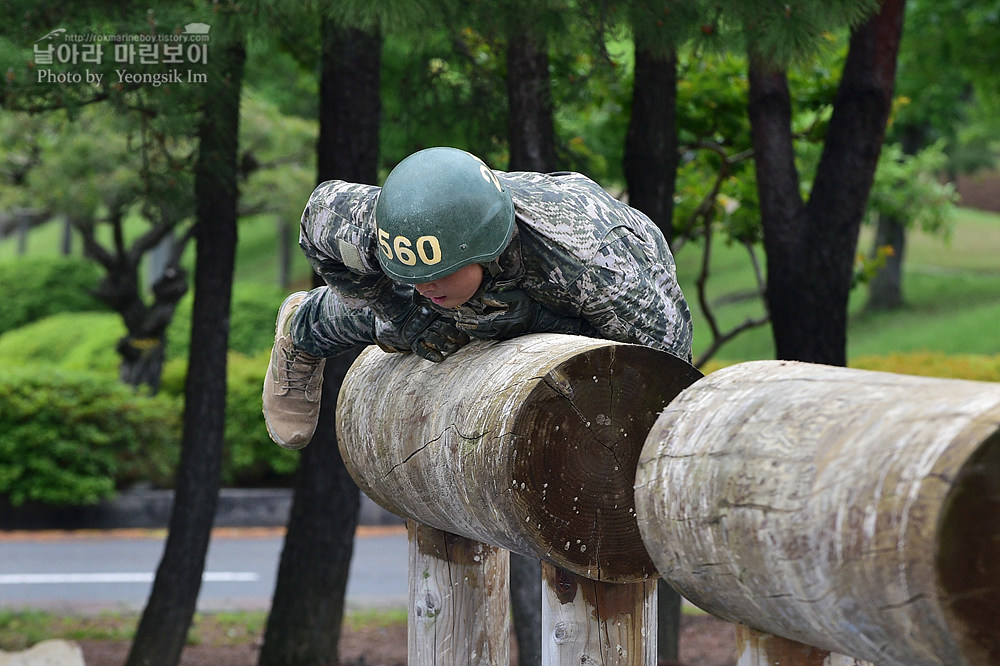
[[428, 249]]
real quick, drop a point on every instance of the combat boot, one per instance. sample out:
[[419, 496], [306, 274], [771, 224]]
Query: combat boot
[[293, 384]]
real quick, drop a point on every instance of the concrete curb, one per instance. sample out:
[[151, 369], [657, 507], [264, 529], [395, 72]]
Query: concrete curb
[[238, 507]]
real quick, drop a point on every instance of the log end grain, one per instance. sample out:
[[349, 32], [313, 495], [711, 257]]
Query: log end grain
[[968, 559], [581, 433]]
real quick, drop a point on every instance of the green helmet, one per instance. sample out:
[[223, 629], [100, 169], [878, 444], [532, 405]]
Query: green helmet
[[441, 209]]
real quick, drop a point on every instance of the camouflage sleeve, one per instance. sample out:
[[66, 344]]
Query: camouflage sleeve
[[631, 296], [337, 235]]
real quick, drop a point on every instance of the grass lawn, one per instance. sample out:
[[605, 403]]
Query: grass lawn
[[951, 288]]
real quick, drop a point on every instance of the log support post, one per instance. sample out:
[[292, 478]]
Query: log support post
[[756, 648], [587, 621], [459, 601]]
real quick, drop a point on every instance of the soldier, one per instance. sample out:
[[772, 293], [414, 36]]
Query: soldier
[[449, 249]]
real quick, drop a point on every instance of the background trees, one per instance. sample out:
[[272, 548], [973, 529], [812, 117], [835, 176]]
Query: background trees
[[726, 123]]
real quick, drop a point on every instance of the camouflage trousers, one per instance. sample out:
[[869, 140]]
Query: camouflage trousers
[[324, 326]]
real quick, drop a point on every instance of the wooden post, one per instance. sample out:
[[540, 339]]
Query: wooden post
[[529, 444], [459, 600], [589, 622], [851, 510], [755, 648]]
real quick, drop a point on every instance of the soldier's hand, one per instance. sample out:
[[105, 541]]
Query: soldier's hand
[[518, 314], [429, 334]]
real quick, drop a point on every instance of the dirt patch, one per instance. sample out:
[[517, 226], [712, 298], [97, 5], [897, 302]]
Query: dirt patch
[[705, 641]]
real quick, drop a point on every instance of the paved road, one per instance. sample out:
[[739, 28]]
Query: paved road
[[114, 570]]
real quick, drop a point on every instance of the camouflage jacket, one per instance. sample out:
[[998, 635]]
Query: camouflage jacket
[[596, 266]]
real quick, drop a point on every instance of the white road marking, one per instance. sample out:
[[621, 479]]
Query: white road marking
[[135, 577]]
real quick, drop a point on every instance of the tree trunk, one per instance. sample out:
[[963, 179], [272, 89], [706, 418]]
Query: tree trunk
[[307, 610], [531, 132], [651, 142], [349, 104], [885, 291], [161, 634], [651, 159], [304, 624], [811, 247]]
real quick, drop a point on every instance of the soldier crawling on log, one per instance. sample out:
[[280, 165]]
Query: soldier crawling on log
[[448, 250]]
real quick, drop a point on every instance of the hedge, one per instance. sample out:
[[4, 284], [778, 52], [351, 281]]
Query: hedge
[[76, 438], [251, 458], [251, 326], [36, 287], [69, 340]]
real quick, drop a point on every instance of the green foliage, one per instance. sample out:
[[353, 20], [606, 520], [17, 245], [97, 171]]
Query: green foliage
[[21, 629], [591, 95], [782, 33], [251, 325], [436, 94], [251, 459], [74, 438], [86, 340], [947, 82], [70, 340], [908, 189], [35, 287], [715, 138], [278, 160]]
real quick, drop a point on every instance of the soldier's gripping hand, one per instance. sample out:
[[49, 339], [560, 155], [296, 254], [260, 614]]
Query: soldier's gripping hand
[[517, 314], [429, 334]]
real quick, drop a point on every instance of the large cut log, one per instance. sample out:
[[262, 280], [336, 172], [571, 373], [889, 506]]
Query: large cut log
[[855, 511], [529, 444]]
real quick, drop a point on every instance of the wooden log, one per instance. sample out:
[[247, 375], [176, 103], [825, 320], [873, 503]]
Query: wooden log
[[530, 444], [755, 648], [459, 600], [592, 622], [855, 511]]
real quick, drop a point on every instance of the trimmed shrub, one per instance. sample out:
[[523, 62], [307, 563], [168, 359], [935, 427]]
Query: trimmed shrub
[[76, 438], [70, 340], [251, 458], [36, 287], [251, 326]]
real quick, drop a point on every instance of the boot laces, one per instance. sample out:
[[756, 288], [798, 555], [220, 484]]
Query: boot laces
[[299, 369]]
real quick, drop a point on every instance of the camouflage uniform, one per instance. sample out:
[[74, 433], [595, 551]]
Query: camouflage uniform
[[596, 266]]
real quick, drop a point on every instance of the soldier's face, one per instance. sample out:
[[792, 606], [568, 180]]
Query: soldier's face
[[452, 290]]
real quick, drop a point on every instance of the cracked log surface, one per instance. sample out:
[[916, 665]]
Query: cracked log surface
[[529, 444], [851, 510]]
